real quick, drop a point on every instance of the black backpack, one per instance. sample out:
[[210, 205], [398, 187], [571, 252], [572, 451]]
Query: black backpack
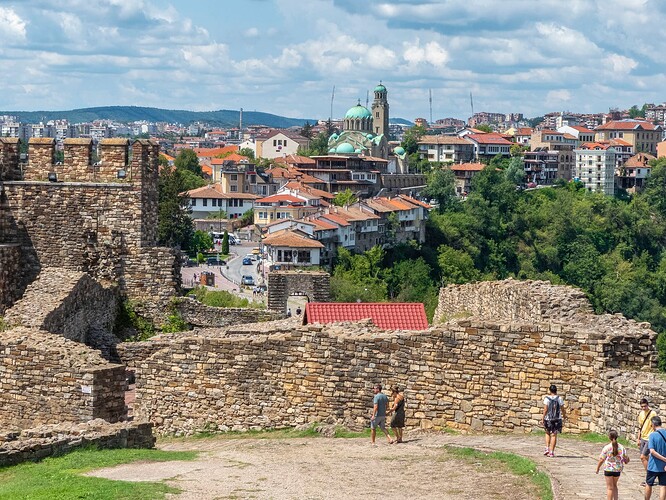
[[553, 411]]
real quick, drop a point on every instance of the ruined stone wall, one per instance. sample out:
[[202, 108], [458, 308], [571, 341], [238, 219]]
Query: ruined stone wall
[[54, 440], [472, 374], [102, 222], [511, 300], [281, 284], [10, 267], [9, 159], [47, 379], [67, 303], [197, 314]]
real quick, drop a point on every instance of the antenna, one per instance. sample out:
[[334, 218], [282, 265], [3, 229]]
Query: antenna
[[471, 102], [240, 124], [330, 117], [430, 92], [367, 98]]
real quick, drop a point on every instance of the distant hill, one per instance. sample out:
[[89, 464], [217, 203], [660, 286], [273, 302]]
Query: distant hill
[[401, 121], [221, 118]]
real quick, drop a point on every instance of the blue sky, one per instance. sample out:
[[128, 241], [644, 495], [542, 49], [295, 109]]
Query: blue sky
[[285, 56]]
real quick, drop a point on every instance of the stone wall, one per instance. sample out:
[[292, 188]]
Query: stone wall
[[106, 229], [511, 300], [197, 314], [281, 284], [10, 265], [470, 374], [54, 440], [9, 159], [47, 379], [67, 303]]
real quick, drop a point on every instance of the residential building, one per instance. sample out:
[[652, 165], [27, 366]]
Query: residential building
[[278, 143], [656, 114], [281, 175], [563, 143], [661, 149], [595, 167], [445, 148], [633, 173], [283, 205], [581, 133], [211, 199], [407, 223], [520, 135], [541, 166], [489, 145], [642, 135], [360, 174], [293, 248], [464, 173]]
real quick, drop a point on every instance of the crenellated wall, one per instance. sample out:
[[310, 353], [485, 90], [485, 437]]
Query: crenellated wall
[[99, 218]]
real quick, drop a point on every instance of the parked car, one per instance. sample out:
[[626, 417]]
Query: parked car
[[214, 261], [247, 280], [247, 261]]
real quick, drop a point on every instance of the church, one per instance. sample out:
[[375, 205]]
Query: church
[[364, 132]]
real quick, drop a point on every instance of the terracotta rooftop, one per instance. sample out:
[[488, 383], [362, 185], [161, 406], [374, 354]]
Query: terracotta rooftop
[[627, 125], [291, 239], [469, 167], [640, 160], [442, 139], [488, 139], [386, 315], [295, 160], [215, 191], [276, 198], [211, 152]]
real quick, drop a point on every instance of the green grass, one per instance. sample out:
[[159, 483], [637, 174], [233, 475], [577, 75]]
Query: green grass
[[515, 464], [60, 477], [594, 437]]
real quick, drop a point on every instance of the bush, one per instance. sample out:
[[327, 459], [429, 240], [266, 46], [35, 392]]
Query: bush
[[222, 298], [128, 318]]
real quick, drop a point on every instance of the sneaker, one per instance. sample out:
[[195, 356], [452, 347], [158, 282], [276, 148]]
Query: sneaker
[[546, 451], [551, 454]]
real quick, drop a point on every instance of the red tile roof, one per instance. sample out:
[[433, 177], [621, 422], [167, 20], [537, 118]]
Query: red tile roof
[[291, 239], [627, 125], [488, 139], [473, 167], [386, 315]]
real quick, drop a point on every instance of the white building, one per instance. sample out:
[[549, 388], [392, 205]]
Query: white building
[[595, 167], [210, 200]]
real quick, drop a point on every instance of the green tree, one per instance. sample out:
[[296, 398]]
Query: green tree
[[175, 226], [635, 112], [441, 187], [456, 266], [655, 187], [515, 172], [344, 198], [225, 243], [306, 131], [484, 127], [219, 215], [190, 180], [201, 242], [410, 141], [247, 218], [187, 159], [249, 152], [317, 145]]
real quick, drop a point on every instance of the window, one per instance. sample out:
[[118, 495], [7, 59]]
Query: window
[[205, 202], [233, 188], [233, 177], [194, 202]]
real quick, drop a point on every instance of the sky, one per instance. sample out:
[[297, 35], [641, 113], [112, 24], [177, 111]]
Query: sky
[[285, 56]]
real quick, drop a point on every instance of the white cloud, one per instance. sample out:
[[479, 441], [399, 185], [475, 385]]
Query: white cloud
[[619, 64], [431, 53], [12, 27], [252, 32]]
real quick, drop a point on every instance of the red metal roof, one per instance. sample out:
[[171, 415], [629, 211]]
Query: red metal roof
[[386, 315]]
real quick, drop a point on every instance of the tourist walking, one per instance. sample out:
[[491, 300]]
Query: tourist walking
[[553, 417], [644, 431], [398, 410], [613, 457], [656, 469], [378, 415]]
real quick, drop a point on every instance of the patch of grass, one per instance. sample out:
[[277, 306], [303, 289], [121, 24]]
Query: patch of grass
[[222, 298], [594, 437], [3, 324], [60, 477], [517, 465]]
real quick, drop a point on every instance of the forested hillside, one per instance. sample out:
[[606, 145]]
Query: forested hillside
[[222, 118], [614, 249]]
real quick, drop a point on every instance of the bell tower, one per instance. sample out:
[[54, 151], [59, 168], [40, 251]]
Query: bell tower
[[380, 111]]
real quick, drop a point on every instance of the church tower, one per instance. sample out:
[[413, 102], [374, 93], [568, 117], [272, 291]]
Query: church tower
[[380, 112]]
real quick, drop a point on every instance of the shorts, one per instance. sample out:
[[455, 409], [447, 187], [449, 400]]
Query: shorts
[[378, 422], [644, 448], [552, 426], [651, 476], [610, 473]]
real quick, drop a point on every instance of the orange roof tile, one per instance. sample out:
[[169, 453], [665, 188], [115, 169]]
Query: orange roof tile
[[386, 315], [489, 139], [292, 239], [275, 198], [640, 160], [627, 125], [295, 159], [337, 219], [442, 139], [469, 167]]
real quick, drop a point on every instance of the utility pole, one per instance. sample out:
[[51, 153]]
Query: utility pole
[[330, 117], [430, 92]]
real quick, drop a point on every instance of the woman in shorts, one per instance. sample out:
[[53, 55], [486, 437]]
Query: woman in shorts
[[613, 457]]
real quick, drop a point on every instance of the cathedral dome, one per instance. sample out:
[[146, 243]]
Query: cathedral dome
[[358, 111], [380, 88], [345, 147], [399, 150]]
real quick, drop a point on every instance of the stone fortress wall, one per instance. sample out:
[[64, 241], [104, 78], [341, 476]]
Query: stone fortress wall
[[99, 218], [485, 371]]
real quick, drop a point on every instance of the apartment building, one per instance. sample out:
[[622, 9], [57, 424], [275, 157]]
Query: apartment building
[[642, 135], [595, 167], [445, 148]]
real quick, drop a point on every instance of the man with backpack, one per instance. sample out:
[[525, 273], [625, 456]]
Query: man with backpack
[[644, 431], [553, 415], [656, 468]]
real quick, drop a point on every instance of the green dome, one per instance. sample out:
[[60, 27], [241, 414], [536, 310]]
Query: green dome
[[332, 150], [345, 147], [358, 111], [399, 150], [380, 88]]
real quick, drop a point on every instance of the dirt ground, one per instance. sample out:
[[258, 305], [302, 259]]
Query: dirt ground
[[323, 468]]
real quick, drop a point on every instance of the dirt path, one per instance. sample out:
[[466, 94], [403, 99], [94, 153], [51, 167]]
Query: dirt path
[[317, 468]]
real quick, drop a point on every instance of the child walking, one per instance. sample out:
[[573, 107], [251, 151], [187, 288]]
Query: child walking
[[613, 457]]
